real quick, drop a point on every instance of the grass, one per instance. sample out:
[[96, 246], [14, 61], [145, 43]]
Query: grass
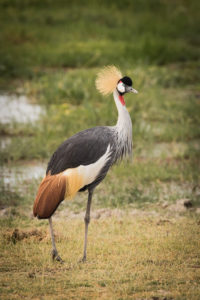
[[89, 34], [128, 258], [160, 112], [51, 52]]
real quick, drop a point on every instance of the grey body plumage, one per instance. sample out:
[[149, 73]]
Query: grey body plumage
[[87, 146]]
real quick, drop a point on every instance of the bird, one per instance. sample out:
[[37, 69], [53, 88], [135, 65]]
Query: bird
[[82, 161]]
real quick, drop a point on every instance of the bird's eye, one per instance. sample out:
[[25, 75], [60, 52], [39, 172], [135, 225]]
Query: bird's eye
[[121, 87]]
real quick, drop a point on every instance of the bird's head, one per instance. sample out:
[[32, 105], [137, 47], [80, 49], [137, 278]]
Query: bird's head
[[110, 79], [124, 85]]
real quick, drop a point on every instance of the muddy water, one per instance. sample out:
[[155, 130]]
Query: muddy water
[[13, 176], [18, 109], [5, 141]]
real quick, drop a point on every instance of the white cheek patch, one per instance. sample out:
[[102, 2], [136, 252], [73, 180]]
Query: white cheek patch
[[121, 87]]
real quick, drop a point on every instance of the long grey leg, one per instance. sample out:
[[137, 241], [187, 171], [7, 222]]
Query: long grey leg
[[87, 221], [54, 250]]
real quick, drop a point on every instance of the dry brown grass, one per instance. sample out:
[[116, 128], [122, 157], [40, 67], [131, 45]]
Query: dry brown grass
[[128, 258]]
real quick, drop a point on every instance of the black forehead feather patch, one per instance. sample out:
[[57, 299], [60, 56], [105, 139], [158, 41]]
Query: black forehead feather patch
[[127, 80]]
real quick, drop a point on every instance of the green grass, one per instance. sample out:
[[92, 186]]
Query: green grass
[[91, 33], [52, 52], [160, 112]]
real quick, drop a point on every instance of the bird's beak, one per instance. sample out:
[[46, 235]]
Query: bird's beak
[[131, 90]]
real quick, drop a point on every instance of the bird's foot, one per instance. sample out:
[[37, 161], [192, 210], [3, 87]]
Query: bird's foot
[[82, 260], [56, 257]]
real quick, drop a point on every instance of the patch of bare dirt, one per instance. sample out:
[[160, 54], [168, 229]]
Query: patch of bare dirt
[[19, 235]]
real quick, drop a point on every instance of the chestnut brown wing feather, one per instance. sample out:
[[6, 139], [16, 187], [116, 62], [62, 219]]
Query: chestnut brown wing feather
[[50, 193]]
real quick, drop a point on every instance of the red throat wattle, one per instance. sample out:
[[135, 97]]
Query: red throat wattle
[[121, 98]]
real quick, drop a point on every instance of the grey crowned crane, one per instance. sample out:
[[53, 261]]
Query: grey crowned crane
[[83, 160]]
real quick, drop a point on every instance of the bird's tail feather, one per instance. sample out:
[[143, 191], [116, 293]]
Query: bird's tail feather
[[51, 192]]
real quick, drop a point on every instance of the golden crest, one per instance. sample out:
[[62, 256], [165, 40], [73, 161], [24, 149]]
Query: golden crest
[[107, 79]]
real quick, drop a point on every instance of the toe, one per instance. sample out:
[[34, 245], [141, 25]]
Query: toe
[[58, 258]]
